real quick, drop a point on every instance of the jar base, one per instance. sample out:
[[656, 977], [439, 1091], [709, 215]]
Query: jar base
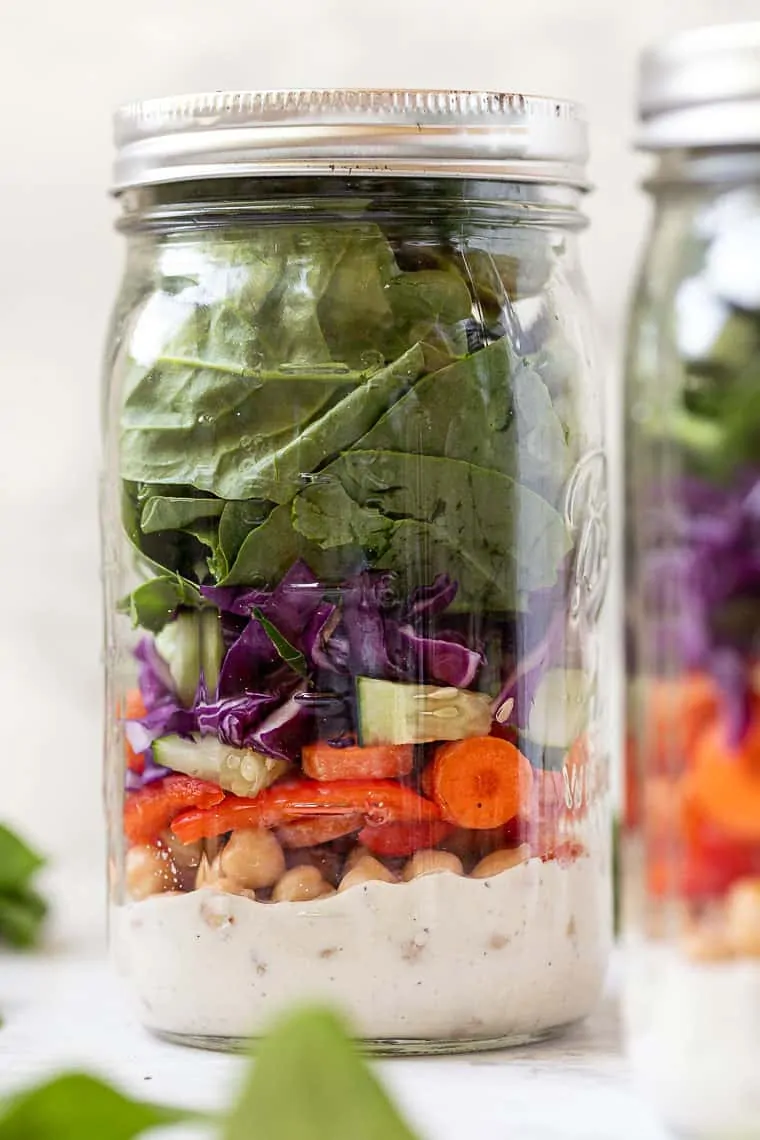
[[380, 1046]]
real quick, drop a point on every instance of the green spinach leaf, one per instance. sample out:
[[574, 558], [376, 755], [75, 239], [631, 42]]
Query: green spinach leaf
[[76, 1106], [289, 654], [174, 513], [326, 514], [496, 537], [270, 550], [487, 409], [154, 603], [309, 1083], [22, 909], [278, 476]]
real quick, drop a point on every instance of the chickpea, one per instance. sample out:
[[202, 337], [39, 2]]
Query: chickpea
[[300, 884], [211, 875], [355, 855], [431, 862], [327, 862], [252, 857], [705, 944], [366, 870], [743, 917], [184, 856], [502, 860], [149, 871]]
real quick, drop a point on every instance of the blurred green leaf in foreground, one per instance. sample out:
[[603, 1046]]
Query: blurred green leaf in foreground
[[307, 1082], [22, 908]]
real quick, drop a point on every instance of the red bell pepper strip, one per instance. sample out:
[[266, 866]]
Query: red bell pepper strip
[[150, 811], [404, 838], [378, 801]]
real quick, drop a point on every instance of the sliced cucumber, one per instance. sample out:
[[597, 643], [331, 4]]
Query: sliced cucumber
[[559, 712], [212, 649], [391, 712], [191, 641], [179, 645], [241, 771]]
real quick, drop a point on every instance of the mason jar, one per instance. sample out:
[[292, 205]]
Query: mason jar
[[354, 516], [693, 591]]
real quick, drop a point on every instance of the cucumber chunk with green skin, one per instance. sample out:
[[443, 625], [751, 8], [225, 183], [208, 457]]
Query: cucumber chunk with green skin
[[242, 771], [191, 642], [559, 712], [392, 712], [212, 649]]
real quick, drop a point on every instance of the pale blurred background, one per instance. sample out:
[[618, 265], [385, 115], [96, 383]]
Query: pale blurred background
[[64, 64]]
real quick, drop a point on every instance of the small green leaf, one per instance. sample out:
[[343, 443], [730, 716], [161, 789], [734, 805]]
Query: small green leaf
[[22, 912], [18, 861], [154, 603], [309, 1083], [290, 655], [79, 1107]]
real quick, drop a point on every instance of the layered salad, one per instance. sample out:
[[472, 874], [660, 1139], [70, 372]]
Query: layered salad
[[361, 488], [695, 693]]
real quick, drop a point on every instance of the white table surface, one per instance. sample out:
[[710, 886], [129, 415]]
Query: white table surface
[[65, 1008]]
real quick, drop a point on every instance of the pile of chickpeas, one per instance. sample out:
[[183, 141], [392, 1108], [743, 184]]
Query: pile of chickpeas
[[253, 860]]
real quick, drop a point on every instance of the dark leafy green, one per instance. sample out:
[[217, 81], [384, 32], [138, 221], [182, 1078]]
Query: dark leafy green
[[309, 1083], [154, 603], [486, 409], [289, 654], [22, 908], [268, 362], [279, 476], [76, 1106], [174, 513], [498, 539]]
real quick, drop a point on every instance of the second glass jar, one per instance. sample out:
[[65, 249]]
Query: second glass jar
[[355, 539]]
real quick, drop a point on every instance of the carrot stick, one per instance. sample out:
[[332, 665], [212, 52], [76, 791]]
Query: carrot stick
[[480, 782], [323, 761]]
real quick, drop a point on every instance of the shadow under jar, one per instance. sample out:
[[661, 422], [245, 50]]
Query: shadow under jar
[[355, 550], [693, 592]]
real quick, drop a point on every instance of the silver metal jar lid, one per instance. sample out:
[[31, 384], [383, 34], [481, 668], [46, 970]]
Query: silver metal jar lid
[[469, 134], [701, 88]]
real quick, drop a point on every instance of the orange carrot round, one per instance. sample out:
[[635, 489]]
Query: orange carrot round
[[724, 783], [134, 705], [323, 761], [481, 782]]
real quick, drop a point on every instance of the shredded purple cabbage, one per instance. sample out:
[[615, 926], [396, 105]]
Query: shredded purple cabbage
[[696, 590], [154, 676], [233, 719]]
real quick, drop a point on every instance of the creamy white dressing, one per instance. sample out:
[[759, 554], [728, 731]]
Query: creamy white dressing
[[440, 958], [694, 1033]]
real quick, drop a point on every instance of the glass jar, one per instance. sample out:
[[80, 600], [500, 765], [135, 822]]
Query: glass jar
[[355, 548], [693, 592]]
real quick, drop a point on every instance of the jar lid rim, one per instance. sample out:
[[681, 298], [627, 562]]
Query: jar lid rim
[[701, 88], [450, 133]]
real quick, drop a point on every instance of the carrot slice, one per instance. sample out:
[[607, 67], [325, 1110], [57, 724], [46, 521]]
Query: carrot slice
[[724, 783], [675, 713], [150, 811], [134, 705], [134, 709], [322, 761], [481, 782], [311, 832], [396, 839]]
